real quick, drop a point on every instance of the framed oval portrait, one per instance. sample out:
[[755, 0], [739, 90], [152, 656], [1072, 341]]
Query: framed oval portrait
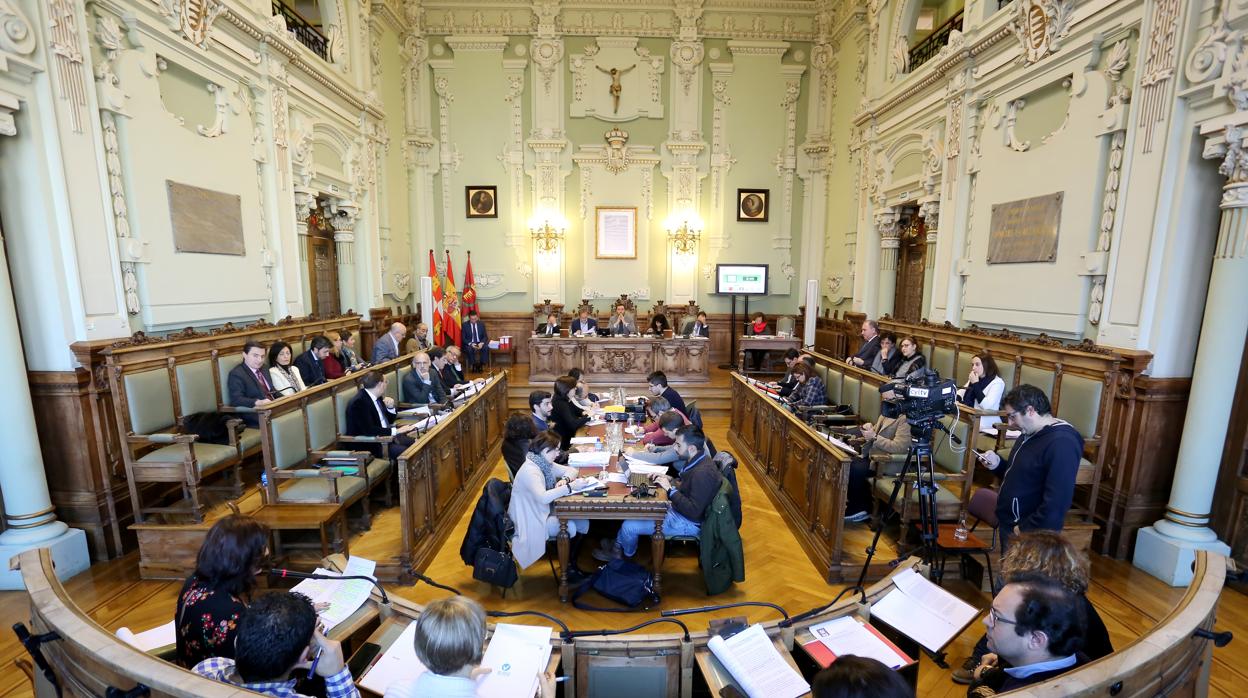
[[753, 204], [482, 201]]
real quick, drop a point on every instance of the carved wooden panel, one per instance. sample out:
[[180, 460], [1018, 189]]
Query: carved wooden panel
[[543, 359], [697, 360], [795, 470], [822, 491], [446, 472], [569, 357], [623, 361]]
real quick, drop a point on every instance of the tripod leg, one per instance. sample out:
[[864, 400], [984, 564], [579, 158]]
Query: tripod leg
[[883, 519]]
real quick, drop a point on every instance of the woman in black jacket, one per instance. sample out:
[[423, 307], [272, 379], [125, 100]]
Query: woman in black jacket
[[567, 418], [520, 430]]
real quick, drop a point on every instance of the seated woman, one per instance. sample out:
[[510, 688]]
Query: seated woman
[[658, 324], [538, 483], [346, 351], [217, 592], [1048, 555], [888, 358], [334, 368], [450, 642], [756, 326], [283, 374], [983, 389], [584, 399], [520, 430], [810, 390], [912, 361], [566, 417], [889, 434]]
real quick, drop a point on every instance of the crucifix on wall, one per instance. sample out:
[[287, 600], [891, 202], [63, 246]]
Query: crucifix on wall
[[616, 88]]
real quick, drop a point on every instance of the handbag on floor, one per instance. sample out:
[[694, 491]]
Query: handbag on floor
[[494, 567], [623, 582]]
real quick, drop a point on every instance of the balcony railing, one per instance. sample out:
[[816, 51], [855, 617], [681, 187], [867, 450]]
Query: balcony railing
[[307, 34], [931, 45], [1002, 3]]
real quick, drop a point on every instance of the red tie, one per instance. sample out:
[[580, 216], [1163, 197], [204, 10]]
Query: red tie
[[263, 383]]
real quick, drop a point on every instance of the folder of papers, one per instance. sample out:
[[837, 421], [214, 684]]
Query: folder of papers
[[847, 635], [585, 440], [344, 596], [756, 665], [637, 467], [923, 611], [590, 459], [399, 663], [152, 639]]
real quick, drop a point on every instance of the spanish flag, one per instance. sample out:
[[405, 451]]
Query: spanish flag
[[437, 301], [450, 315]]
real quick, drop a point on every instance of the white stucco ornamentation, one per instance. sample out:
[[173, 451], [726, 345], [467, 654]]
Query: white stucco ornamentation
[[193, 19], [1040, 26]]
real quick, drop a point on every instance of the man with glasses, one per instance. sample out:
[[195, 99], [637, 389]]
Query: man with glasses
[[1035, 633], [1038, 479], [422, 386]]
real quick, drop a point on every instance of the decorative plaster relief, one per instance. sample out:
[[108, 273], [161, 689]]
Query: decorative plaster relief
[[63, 44], [1040, 26], [686, 59], [192, 19], [15, 34], [614, 79]]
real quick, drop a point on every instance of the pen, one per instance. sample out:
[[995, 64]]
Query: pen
[[315, 658]]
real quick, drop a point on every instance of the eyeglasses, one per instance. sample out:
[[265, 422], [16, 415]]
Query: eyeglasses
[[1013, 416], [994, 617]]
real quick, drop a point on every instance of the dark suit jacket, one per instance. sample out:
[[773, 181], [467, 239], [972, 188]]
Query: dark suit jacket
[[868, 351], [542, 330], [310, 369], [450, 377], [591, 322], [675, 400], [418, 392], [362, 420], [465, 333], [566, 419], [244, 390], [698, 330]]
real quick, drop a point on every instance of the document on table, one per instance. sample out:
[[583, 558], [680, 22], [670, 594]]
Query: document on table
[[840, 444], [849, 636], [760, 671], [617, 477], [152, 639], [399, 663], [516, 655], [637, 467], [423, 410], [344, 596], [591, 483], [585, 440], [594, 459], [923, 611]]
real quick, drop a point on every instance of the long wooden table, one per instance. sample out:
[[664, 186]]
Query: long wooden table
[[618, 505], [620, 359]]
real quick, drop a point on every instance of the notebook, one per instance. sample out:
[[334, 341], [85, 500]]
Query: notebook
[[849, 636], [756, 666]]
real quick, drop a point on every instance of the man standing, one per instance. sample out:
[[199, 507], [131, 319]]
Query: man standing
[[541, 406], [870, 345], [1038, 479], [421, 386], [371, 413], [476, 341], [659, 387], [1035, 631], [247, 384], [699, 483], [585, 326], [621, 324], [311, 363], [389, 345]]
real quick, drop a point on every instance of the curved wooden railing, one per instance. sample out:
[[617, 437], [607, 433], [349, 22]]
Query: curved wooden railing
[[86, 659]]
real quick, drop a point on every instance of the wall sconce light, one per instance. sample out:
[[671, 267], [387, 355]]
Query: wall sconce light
[[547, 232], [683, 232]]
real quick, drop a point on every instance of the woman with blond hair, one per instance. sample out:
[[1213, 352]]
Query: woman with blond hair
[[1044, 556]]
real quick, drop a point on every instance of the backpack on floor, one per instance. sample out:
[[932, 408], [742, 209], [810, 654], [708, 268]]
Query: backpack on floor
[[623, 582]]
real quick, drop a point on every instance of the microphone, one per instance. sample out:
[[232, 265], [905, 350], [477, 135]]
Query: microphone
[[722, 606], [279, 573]]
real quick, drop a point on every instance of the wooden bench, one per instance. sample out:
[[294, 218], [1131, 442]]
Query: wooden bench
[[157, 381]]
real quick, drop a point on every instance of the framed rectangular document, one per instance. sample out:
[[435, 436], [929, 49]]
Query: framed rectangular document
[[615, 232]]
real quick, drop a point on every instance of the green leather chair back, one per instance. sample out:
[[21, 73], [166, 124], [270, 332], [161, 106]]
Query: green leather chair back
[[870, 407], [195, 389], [945, 457], [322, 431], [1042, 378], [833, 381], [225, 364], [290, 446], [941, 359], [1080, 403], [962, 369], [392, 384], [149, 398], [849, 392], [344, 398], [1005, 365]]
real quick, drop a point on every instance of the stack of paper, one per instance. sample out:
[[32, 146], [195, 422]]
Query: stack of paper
[[839, 444], [343, 596], [637, 467], [923, 611], [517, 655], [399, 663], [161, 636], [589, 459], [756, 666], [848, 636]]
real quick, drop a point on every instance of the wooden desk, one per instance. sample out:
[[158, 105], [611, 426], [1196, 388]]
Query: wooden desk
[[763, 343], [717, 677], [618, 505], [620, 359], [307, 517]]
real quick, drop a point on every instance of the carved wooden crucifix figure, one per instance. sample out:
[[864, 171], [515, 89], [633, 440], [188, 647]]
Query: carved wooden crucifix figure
[[615, 88]]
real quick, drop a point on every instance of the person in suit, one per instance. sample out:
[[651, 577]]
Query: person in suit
[[371, 413], [283, 376], [476, 341], [422, 337], [700, 328], [421, 386], [247, 384], [443, 373], [659, 387], [565, 416], [311, 363], [540, 407], [454, 369], [389, 345], [550, 328], [585, 326], [621, 324], [870, 345]]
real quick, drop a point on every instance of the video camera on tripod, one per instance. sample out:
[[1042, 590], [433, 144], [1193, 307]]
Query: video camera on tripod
[[924, 398]]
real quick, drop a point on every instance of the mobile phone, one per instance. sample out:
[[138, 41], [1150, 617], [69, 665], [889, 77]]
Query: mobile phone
[[982, 455]]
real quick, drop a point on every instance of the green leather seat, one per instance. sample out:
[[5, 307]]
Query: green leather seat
[[944, 498], [206, 455], [350, 486], [250, 438]]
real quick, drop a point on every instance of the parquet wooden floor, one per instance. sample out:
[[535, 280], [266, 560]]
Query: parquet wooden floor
[[776, 570]]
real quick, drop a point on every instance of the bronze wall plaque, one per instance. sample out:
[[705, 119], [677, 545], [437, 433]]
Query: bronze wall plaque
[[1025, 230], [205, 221]]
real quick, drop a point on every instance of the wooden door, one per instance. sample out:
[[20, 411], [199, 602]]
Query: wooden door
[[323, 275], [911, 260]]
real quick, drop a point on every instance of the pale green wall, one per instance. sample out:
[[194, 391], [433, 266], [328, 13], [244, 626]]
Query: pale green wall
[[185, 95], [393, 209], [843, 185]]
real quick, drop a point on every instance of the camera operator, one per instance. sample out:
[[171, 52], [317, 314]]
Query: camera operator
[[890, 434], [1038, 478]]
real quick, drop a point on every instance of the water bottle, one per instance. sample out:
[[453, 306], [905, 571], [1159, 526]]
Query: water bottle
[[961, 531], [264, 479], [630, 424]]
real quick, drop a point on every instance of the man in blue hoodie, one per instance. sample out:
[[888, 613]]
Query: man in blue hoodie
[[1038, 479]]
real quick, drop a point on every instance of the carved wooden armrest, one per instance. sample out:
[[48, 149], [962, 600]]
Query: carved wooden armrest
[[365, 439], [162, 438], [299, 473]]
